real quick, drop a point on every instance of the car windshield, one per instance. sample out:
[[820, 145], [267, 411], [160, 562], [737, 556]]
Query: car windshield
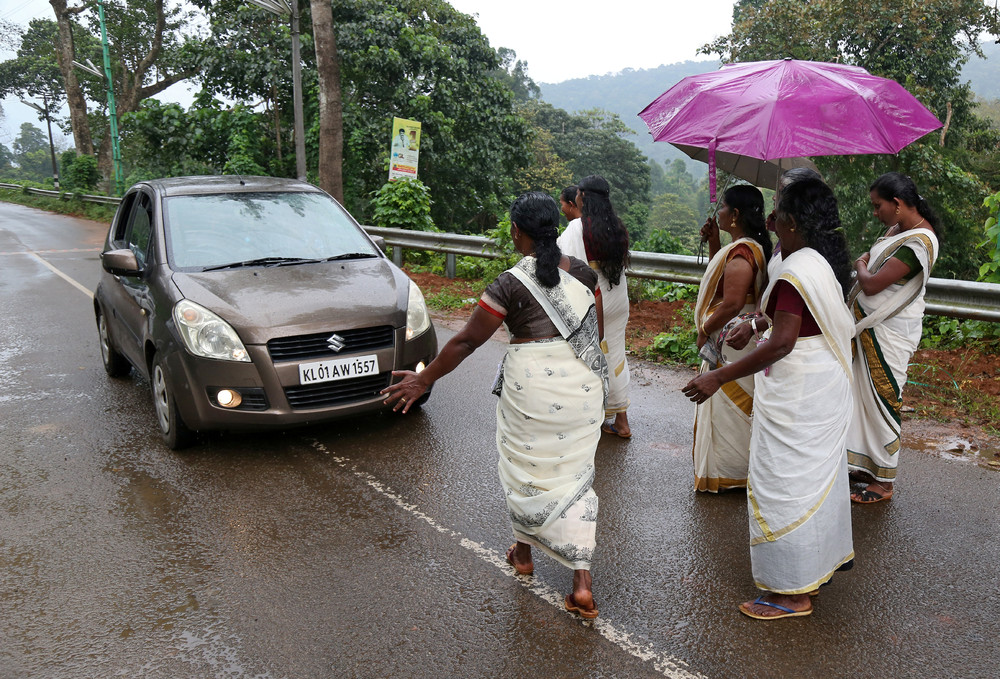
[[258, 229]]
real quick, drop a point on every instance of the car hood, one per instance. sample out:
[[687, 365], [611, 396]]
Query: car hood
[[266, 302]]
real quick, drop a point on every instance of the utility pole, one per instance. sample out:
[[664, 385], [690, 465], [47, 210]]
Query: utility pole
[[116, 153], [44, 110], [291, 8]]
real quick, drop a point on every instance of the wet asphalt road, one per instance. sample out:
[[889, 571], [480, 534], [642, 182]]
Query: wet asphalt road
[[374, 547]]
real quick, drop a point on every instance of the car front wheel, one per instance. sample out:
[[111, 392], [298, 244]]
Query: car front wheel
[[115, 364], [175, 433]]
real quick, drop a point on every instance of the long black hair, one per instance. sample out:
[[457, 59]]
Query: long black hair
[[813, 207], [604, 234], [537, 215], [893, 185], [750, 202]]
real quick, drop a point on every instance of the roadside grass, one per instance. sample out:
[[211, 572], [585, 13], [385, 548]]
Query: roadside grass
[[97, 212]]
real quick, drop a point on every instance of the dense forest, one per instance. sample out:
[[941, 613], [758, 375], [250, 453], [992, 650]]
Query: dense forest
[[489, 131]]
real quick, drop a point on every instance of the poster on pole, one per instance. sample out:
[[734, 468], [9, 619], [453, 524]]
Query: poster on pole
[[404, 149]]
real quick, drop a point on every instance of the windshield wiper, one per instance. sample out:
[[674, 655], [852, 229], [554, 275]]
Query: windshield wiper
[[351, 255], [261, 261]]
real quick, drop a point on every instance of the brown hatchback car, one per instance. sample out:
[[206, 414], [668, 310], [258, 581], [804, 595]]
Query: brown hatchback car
[[253, 302]]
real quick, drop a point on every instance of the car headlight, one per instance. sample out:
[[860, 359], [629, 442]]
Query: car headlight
[[417, 318], [205, 334]]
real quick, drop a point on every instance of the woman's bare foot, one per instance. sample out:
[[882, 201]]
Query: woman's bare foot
[[771, 606], [519, 556]]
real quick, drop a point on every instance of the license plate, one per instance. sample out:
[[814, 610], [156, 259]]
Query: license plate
[[338, 369]]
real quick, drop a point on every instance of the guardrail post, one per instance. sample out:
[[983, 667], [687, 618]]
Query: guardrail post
[[397, 255], [449, 265]]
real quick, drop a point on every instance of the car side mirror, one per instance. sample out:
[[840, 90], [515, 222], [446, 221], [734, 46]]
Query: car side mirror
[[120, 262], [379, 243]]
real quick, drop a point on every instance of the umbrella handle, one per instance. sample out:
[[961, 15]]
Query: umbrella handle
[[714, 209]]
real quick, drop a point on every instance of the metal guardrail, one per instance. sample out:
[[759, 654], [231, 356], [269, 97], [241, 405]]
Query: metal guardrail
[[945, 297], [65, 195]]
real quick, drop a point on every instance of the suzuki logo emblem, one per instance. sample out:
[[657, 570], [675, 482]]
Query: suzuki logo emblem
[[335, 342]]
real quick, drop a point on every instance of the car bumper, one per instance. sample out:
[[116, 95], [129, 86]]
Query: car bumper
[[272, 395]]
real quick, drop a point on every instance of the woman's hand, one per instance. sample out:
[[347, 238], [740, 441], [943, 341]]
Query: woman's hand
[[709, 230], [702, 387], [405, 392], [702, 338], [740, 335], [863, 260]]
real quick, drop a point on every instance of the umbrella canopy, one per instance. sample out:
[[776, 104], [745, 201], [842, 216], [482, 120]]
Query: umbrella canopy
[[770, 110], [757, 172]]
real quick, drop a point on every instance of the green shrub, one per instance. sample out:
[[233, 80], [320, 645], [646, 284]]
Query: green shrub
[[403, 204], [81, 174]]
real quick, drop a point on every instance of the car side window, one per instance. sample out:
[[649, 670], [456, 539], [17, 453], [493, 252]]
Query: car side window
[[122, 220], [140, 230]]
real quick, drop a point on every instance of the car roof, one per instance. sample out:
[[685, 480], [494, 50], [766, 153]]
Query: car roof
[[211, 184]]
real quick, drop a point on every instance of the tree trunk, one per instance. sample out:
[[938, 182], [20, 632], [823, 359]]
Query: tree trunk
[[75, 100], [331, 123]]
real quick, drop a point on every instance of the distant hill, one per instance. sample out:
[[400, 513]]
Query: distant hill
[[628, 92]]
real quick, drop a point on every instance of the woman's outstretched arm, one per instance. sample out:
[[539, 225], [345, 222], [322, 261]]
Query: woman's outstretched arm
[[477, 330]]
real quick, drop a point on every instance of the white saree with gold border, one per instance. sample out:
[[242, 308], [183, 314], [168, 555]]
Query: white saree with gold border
[[797, 490], [616, 308], [721, 450], [888, 328], [549, 423]]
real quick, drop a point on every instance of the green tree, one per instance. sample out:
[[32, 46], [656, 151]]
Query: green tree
[[423, 60], [151, 45], [34, 71], [162, 140], [673, 216], [596, 142]]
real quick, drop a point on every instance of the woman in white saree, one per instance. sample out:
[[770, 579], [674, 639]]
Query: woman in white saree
[[552, 387], [888, 304], [797, 488], [731, 287], [600, 238]]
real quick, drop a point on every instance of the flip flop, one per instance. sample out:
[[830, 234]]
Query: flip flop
[[585, 613], [521, 570], [867, 497], [610, 429], [786, 612]]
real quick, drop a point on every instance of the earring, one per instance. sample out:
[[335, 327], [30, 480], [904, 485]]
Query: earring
[[897, 209]]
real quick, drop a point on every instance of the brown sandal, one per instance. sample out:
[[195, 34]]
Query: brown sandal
[[585, 613]]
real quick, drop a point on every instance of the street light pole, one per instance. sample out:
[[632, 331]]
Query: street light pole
[[291, 8], [52, 147]]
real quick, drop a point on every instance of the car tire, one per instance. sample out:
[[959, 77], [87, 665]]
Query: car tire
[[115, 364], [175, 432]]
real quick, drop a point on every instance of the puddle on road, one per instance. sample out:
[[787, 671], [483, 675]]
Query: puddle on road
[[955, 447]]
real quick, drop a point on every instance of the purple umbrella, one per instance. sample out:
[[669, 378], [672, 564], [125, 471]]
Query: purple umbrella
[[771, 110]]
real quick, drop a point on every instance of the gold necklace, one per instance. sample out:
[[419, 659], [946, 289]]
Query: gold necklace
[[917, 224]]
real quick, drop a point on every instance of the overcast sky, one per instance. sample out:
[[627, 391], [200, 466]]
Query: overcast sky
[[559, 41]]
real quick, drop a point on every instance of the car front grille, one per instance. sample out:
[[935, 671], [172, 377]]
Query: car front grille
[[340, 392], [315, 346]]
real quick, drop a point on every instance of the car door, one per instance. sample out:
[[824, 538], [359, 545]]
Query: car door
[[134, 304]]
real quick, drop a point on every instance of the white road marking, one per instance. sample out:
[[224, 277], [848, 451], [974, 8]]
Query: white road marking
[[667, 665], [66, 278]]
